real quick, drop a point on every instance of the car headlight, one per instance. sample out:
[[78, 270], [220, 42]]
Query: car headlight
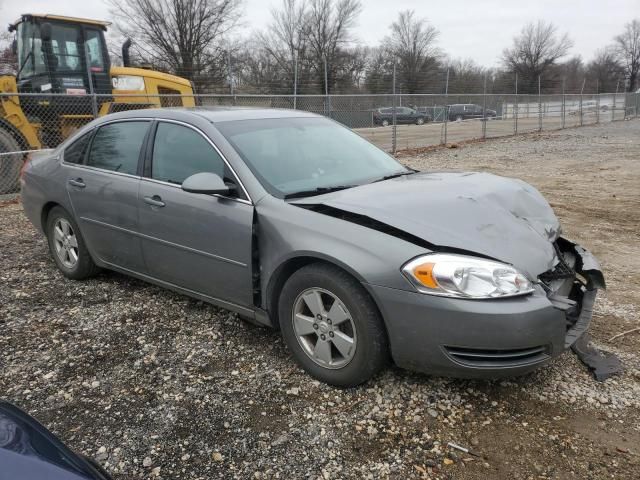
[[463, 276]]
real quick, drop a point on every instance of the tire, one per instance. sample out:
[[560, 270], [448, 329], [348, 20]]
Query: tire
[[83, 266], [10, 165], [385, 123], [354, 316], [420, 121], [459, 118]]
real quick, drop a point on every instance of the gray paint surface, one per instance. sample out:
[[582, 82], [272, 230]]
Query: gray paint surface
[[213, 247]]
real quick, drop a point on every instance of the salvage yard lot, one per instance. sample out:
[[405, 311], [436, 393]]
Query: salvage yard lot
[[154, 384]]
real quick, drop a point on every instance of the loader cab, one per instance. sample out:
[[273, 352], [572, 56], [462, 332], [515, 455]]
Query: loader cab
[[61, 55]]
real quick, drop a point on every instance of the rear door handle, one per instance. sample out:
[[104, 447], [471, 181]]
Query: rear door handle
[[77, 182], [155, 201]]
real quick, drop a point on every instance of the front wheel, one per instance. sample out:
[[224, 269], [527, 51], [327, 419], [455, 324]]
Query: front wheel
[[385, 123], [459, 118], [420, 121], [67, 246], [331, 326]]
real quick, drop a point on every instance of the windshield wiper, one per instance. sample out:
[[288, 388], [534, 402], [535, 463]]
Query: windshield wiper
[[395, 175], [317, 191]]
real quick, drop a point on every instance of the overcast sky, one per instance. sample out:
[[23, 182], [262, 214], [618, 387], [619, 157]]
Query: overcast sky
[[476, 29]]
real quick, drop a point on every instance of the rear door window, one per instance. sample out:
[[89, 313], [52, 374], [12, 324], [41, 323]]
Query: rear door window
[[116, 146]]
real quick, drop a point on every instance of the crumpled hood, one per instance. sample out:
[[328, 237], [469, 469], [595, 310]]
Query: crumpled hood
[[502, 218]]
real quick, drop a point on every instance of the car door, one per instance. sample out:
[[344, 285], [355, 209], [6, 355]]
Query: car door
[[198, 242], [103, 189], [404, 115]]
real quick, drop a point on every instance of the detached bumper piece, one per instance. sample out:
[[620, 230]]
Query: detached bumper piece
[[602, 364]]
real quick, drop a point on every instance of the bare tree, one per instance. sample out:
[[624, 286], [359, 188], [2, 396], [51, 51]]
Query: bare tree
[[605, 70], [628, 49], [412, 43], [328, 29], [466, 76], [284, 39], [184, 36], [534, 51]]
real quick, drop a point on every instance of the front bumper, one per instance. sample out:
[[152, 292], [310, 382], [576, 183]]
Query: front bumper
[[486, 338]]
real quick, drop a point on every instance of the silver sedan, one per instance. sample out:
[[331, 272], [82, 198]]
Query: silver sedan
[[297, 223]]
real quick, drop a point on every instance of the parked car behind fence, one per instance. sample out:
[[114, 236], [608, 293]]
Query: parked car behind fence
[[403, 115]]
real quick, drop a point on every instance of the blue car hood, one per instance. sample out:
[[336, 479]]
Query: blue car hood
[[502, 218]]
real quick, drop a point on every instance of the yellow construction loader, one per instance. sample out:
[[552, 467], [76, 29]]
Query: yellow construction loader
[[65, 55]]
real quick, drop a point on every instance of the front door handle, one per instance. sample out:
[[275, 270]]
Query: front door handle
[[77, 182], [155, 201]]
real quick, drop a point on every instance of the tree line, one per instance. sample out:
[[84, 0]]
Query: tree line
[[309, 47]]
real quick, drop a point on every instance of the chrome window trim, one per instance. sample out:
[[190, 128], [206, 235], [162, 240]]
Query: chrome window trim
[[224, 159], [102, 170], [168, 184]]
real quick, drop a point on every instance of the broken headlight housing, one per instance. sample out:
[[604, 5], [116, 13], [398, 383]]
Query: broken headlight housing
[[462, 276]]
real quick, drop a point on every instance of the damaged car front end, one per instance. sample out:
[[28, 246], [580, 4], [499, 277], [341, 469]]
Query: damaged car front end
[[524, 293]]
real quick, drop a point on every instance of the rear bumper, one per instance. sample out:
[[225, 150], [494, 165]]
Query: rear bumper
[[480, 338]]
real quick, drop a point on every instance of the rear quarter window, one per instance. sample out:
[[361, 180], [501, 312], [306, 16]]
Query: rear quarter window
[[77, 151]]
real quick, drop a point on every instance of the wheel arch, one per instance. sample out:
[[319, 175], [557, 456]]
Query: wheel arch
[[44, 213], [291, 265]]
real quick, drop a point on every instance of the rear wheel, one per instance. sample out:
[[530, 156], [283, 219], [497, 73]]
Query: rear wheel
[[331, 326], [419, 121], [67, 246], [459, 118], [10, 165]]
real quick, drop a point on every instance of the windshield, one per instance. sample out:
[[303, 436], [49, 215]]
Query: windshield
[[290, 155], [66, 43]]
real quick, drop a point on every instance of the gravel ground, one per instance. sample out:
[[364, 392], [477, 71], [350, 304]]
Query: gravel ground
[[156, 385]]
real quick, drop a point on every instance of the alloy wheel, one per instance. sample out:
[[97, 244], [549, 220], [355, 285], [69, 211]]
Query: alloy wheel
[[65, 243], [324, 328]]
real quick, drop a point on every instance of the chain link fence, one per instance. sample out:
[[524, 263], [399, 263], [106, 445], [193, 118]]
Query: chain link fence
[[393, 122]]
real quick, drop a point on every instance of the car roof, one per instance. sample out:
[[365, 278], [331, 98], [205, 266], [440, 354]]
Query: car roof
[[212, 114]]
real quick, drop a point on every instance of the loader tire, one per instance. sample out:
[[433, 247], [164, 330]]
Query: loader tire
[[10, 165]]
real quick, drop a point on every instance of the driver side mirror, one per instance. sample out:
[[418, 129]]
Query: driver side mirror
[[206, 183]]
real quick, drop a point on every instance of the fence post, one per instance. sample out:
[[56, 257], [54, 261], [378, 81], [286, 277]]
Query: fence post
[[230, 73], [539, 106], [597, 102], [515, 109], [94, 99], [446, 107], [581, 114], [484, 108], [295, 80], [327, 100], [564, 105], [615, 97], [637, 94], [393, 128]]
